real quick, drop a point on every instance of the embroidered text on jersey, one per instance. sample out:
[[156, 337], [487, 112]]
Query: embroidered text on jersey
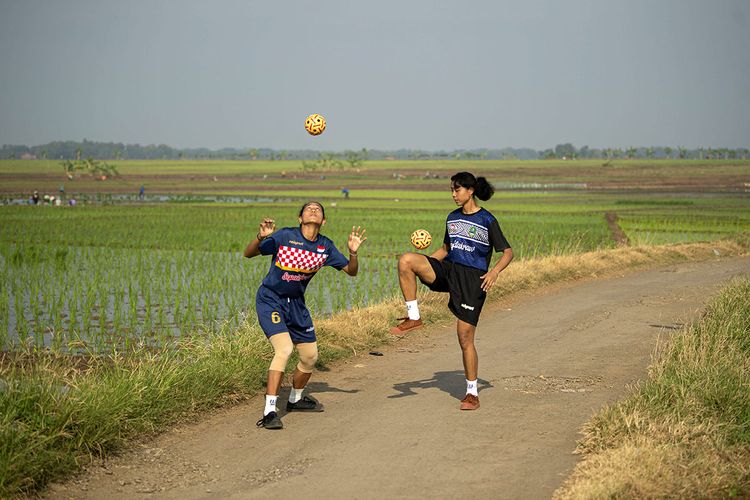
[[460, 245]]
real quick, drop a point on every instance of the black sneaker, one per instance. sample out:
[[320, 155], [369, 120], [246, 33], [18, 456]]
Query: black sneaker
[[307, 403], [270, 421]]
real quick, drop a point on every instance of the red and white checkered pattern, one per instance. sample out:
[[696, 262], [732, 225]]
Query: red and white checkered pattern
[[299, 260]]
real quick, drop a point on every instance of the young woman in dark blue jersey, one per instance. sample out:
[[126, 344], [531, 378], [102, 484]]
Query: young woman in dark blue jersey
[[298, 253], [460, 267]]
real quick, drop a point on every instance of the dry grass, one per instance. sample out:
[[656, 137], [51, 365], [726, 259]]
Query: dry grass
[[684, 432], [359, 329], [649, 468], [541, 272]]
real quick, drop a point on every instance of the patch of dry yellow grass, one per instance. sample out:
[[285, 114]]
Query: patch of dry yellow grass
[[652, 468], [363, 328]]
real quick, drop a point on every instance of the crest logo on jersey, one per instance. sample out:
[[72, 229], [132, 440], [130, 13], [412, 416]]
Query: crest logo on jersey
[[321, 249], [469, 230]]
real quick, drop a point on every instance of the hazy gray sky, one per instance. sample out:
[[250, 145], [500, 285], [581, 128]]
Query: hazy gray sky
[[385, 74]]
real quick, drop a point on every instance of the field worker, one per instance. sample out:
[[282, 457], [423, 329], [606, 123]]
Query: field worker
[[460, 268], [297, 254]]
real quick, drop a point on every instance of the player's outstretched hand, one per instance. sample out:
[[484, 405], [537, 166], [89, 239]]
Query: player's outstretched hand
[[356, 238], [266, 228]]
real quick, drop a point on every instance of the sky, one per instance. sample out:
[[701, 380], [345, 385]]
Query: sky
[[391, 74]]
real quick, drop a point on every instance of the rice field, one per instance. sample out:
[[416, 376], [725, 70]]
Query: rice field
[[112, 272]]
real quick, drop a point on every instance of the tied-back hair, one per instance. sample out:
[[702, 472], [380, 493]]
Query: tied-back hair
[[482, 188]]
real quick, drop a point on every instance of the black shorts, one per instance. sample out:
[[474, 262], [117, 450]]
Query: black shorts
[[464, 285]]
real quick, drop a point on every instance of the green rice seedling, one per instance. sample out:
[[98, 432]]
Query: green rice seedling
[[4, 317]]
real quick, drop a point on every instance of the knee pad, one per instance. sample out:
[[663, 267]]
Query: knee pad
[[282, 349], [308, 355]]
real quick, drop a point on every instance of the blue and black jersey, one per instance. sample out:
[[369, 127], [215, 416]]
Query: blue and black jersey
[[296, 260], [471, 238]]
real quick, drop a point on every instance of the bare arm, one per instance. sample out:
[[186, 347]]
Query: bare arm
[[266, 228], [489, 279], [356, 238], [440, 253]]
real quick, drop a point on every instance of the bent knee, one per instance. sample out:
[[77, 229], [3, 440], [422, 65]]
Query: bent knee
[[308, 356], [282, 350], [409, 260]]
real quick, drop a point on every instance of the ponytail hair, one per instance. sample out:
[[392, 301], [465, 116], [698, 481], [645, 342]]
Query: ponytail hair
[[482, 188]]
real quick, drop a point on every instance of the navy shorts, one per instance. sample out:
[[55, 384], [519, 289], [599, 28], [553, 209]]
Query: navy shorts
[[278, 314], [464, 285]]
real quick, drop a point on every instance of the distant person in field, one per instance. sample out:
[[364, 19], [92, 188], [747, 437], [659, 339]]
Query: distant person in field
[[142, 192], [35, 198], [297, 254], [459, 267]]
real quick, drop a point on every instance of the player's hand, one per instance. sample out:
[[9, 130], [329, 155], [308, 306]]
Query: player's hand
[[356, 238], [266, 228], [488, 280]]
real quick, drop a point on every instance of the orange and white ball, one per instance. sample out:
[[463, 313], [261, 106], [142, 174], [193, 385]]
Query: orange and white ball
[[421, 239], [315, 124]]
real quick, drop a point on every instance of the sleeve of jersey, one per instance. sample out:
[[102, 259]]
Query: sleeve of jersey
[[270, 244], [335, 258], [497, 238]]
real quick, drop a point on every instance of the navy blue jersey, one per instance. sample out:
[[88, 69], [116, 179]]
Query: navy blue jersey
[[296, 260], [471, 238]]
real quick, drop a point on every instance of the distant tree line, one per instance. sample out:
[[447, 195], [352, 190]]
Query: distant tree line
[[568, 151], [68, 150]]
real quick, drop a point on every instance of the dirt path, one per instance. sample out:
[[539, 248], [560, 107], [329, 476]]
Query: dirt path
[[392, 428]]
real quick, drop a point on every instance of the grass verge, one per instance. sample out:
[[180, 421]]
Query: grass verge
[[684, 432], [58, 413]]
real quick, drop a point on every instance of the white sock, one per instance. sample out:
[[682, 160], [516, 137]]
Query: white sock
[[412, 309], [270, 404], [295, 395], [471, 387]]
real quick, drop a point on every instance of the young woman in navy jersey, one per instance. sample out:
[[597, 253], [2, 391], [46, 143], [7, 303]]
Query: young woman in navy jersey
[[461, 267], [298, 253]]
